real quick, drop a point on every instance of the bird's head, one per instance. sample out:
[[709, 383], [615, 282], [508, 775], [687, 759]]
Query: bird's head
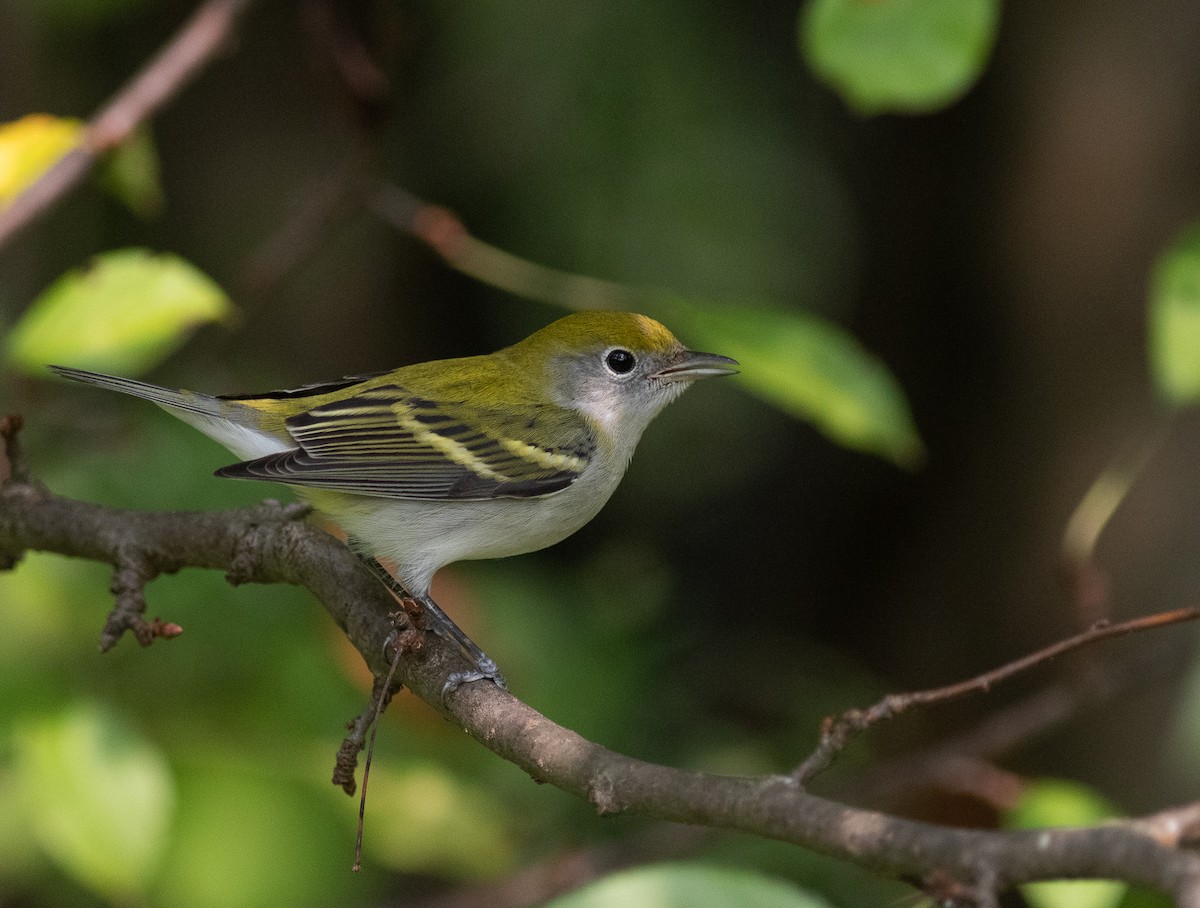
[[618, 368]]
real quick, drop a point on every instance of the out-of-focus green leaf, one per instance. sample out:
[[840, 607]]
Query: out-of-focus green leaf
[[450, 828], [1137, 897], [256, 840], [131, 174], [900, 55], [810, 368], [1056, 802], [1174, 329], [688, 886], [1048, 803], [43, 590], [124, 312], [19, 855], [1074, 894], [29, 146], [97, 797], [538, 637]]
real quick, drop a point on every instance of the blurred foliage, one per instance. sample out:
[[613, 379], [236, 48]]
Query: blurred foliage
[[29, 146], [687, 886], [748, 578], [812, 369], [1175, 320], [1047, 803], [125, 311], [910, 56], [97, 797], [131, 173]]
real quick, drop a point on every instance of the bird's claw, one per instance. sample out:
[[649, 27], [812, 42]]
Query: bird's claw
[[484, 672]]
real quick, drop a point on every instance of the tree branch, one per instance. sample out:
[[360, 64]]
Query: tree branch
[[267, 544], [840, 731], [442, 231], [180, 60]]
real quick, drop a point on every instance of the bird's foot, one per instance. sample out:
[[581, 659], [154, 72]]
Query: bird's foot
[[486, 670]]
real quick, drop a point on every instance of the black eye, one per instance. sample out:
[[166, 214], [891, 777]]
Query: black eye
[[619, 361]]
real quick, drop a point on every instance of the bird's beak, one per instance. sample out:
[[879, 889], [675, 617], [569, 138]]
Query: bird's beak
[[690, 365]]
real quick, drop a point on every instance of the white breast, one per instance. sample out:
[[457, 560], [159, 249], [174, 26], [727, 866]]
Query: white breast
[[423, 536]]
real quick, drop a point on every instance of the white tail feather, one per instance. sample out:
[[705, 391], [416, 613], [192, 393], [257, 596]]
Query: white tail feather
[[216, 418]]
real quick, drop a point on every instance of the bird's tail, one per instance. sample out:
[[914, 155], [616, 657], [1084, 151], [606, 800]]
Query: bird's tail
[[236, 425], [164, 397]]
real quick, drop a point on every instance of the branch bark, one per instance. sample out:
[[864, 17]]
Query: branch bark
[[840, 731], [268, 544]]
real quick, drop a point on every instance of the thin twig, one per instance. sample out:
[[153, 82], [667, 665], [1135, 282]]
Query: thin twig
[[329, 201], [838, 732], [323, 205], [195, 45], [132, 570], [362, 83], [383, 695], [442, 231], [352, 745], [1016, 724]]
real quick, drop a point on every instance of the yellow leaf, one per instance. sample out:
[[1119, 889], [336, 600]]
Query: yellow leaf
[[29, 147]]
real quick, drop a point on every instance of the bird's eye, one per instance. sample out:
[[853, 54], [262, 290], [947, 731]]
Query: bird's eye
[[619, 361]]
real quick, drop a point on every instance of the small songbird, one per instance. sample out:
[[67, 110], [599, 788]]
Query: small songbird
[[455, 459]]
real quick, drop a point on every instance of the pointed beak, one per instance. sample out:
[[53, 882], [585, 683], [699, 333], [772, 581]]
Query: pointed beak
[[689, 366]]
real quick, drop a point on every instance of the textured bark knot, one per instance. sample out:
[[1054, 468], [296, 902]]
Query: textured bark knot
[[601, 794]]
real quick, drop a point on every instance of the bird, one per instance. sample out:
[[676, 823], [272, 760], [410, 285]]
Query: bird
[[475, 457]]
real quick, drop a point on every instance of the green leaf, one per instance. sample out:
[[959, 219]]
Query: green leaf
[[899, 55], [131, 174], [244, 839], [812, 369], [29, 147], [451, 828], [125, 312], [1058, 802], [1174, 329], [1055, 802], [688, 886], [45, 585], [97, 797], [1137, 897]]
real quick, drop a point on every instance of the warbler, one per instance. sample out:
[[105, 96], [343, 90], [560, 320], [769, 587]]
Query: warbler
[[477, 457]]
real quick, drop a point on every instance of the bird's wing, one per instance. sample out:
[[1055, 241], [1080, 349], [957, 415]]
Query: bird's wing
[[391, 443]]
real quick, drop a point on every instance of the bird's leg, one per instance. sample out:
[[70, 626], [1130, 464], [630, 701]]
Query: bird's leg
[[441, 624]]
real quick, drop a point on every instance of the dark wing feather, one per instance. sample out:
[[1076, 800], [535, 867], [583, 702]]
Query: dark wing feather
[[390, 443], [312, 390]]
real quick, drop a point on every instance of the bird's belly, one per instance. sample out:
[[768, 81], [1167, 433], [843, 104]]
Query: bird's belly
[[422, 536]]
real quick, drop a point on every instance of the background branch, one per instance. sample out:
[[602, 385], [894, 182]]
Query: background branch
[[443, 231], [838, 732]]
